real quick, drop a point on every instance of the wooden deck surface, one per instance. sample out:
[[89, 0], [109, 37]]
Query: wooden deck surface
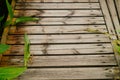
[[61, 46]]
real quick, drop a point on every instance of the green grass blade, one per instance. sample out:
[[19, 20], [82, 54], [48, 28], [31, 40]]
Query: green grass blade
[[10, 11], [9, 73], [26, 50], [3, 48], [7, 23], [1, 18], [25, 19], [116, 46]]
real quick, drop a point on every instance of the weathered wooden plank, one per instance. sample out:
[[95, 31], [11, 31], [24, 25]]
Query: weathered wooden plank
[[57, 0], [107, 17], [69, 46], [57, 6], [74, 38], [110, 25], [57, 29], [67, 20], [58, 13], [118, 7], [115, 22], [63, 49], [73, 60], [94, 73], [114, 15]]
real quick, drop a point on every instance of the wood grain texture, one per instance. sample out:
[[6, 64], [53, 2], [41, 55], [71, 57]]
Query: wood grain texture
[[61, 45], [111, 7], [118, 7], [67, 21], [116, 23], [57, 13], [74, 38], [57, 0], [63, 49], [73, 60], [107, 18], [57, 6], [105, 73], [57, 29]]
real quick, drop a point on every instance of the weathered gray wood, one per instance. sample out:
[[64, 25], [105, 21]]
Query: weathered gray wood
[[75, 38], [73, 60], [118, 7], [63, 49], [67, 20], [94, 73], [114, 15], [109, 23], [58, 13], [57, 29], [116, 24], [107, 17], [57, 0], [57, 6], [94, 53]]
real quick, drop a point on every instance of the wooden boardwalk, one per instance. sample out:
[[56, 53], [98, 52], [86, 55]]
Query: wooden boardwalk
[[62, 47]]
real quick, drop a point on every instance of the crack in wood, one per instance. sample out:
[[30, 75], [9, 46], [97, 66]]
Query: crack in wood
[[75, 51]]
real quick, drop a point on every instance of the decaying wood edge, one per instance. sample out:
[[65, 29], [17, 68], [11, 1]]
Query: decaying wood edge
[[114, 16], [6, 30], [111, 28], [115, 21]]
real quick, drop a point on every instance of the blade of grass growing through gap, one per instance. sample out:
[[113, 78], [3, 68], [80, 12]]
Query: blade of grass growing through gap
[[26, 50], [10, 11], [3, 48], [1, 18], [25, 19], [116, 46]]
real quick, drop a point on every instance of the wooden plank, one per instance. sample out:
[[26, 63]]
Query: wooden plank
[[58, 13], [57, 0], [72, 38], [116, 24], [114, 15], [118, 7], [63, 49], [94, 73], [57, 6], [107, 17], [67, 20], [73, 60], [57, 29], [110, 25]]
